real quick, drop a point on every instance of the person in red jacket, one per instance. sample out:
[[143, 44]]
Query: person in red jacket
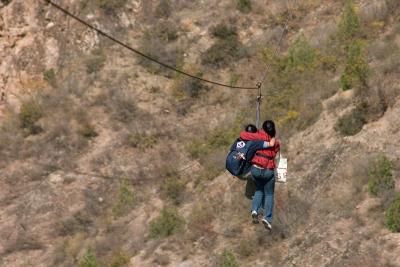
[[263, 172]]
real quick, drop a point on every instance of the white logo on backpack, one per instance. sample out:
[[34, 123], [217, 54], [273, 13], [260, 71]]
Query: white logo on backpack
[[240, 144]]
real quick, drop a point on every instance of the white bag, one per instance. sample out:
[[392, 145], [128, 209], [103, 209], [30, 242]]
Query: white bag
[[281, 170]]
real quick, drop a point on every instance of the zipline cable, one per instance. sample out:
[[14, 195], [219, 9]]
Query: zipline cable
[[260, 84], [142, 54]]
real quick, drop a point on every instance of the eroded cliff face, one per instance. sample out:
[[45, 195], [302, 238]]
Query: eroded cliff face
[[118, 140]]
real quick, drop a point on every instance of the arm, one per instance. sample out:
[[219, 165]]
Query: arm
[[252, 136]]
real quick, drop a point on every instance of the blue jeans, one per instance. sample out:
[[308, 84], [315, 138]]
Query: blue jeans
[[264, 180]]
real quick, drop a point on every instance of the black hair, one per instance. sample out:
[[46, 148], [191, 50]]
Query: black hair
[[251, 128], [269, 128]]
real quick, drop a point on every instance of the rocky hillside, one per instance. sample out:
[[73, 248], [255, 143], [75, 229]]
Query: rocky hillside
[[109, 160]]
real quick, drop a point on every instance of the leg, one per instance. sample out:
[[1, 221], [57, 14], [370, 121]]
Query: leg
[[269, 189], [259, 193]]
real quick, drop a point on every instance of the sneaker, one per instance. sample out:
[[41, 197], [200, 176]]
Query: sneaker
[[267, 224], [254, 216]]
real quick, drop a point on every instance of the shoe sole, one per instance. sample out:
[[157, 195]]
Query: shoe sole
[[267, 225], [255, 218]]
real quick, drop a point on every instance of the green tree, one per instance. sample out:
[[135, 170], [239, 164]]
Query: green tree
[[380, 176], [168, 223], [349, 25], [356, 70]]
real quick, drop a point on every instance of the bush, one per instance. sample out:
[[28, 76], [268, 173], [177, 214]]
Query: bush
[[80, 222], [111, 5], [227, 259], [163, 9], [188, 87], [142, 141], [173, 187], [125, 199], [223, 31], [380, 176], [167, 31], [89, 259], [226, 49], [168, 223], [87, 130], [301, 55], [243, 6], [352, 122], [349, 25], [155, 47], [30, 112], [356, 69], [393, 215], [96, 61], [50, 77]]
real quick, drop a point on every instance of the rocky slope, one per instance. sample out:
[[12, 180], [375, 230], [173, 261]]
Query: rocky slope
[[115, 141]]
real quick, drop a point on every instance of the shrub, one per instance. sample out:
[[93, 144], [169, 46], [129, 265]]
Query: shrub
[[223, 31], [30, 112], [155, 47], [87, 130], [349, 25], [163, 9], [167, 31], [95, 62], [227, 259], [111, 5], [380, 176], [393, 215], [80, 222], [243, 6], [352, 122], [301, 55], [88, 259], [119, 260], [226, 49], [356, 69], [142, 141], [187, 87], [173, 187], [50, 77], [125, 198], [168, 223]]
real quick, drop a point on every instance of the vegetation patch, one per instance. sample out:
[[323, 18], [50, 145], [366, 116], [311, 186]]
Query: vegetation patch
[[88, 259], [168, 223], [96, 61], [30, 113], [50, 77], [380, 176], [393, 215], [352, 122], [111, 6], [173, 187], [356, 69], [163, 9], [244, 6], [349, 27], [125, 198], [227, 259], [226, 49]]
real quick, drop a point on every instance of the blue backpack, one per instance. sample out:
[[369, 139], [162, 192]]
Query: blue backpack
[[238, 161]]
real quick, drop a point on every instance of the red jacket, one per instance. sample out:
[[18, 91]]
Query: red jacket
[[268, 161]]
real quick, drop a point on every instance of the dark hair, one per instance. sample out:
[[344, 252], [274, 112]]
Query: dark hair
[[269, 128], [251, 128]]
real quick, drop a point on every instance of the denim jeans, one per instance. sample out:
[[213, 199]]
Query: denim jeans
[[264, 180]]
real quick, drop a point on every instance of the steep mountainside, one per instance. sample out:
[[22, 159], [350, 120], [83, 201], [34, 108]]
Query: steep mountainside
[[109, 160]]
